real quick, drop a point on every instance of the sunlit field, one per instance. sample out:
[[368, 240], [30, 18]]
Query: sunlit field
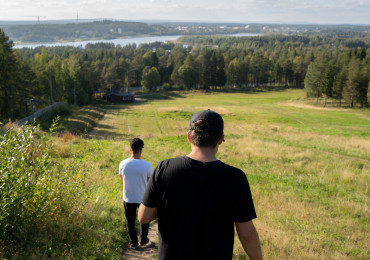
[[308, 167]]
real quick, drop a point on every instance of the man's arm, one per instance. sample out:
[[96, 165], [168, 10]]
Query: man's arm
[[146, 214], [249, 238], [121, 177]]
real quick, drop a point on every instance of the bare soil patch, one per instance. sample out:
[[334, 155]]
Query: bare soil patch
[[149, 251]]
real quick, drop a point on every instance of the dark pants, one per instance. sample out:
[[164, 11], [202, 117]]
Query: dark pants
[[130, 214]]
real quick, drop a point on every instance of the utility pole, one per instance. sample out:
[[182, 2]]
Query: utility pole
[[74, 95], [32, 102], [77, 16], [12, 110], [33, 111], [51, 86], [318, 91], [38, 18]]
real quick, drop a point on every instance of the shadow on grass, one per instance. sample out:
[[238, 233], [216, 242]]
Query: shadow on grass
[[108, 135], [251, 90], [169, 95], [82, 121], [92, 113], [182, 93], [116, 108], [104, 126], [109, 107], [161, 96], [83, 118]]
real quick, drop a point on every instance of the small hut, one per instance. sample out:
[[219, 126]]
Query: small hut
[[119, 97]]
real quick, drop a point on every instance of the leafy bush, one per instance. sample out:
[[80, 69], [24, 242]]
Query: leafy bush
[[167, 87], [47, 118], [35, 187]]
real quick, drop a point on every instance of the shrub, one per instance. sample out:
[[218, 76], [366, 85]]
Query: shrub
[[47, 118], [35, 187], [167, 87]]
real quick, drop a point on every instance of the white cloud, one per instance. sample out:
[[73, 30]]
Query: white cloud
[[317, 11]]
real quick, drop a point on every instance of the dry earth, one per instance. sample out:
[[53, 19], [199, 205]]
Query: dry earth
[[148, 251]]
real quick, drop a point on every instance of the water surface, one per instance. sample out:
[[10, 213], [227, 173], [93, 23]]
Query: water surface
[[121, 41]]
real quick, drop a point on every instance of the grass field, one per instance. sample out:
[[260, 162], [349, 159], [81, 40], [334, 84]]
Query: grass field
[[308, 168]]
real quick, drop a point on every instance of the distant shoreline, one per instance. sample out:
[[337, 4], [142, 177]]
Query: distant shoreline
[[85, 39], [123, 41], [83, 42]]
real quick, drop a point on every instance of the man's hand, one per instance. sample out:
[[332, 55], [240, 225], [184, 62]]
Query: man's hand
[[249, 238], [146, 214]]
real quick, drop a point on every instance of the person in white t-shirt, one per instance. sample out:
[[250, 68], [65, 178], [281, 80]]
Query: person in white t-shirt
[[135, 173]]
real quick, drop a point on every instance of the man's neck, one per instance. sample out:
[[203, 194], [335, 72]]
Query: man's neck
[[135, 156], [203, 154]]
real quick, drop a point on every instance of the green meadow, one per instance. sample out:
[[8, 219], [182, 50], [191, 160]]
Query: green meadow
[[308, 168]]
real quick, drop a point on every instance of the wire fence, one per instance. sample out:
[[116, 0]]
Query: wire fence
[[38, 113]]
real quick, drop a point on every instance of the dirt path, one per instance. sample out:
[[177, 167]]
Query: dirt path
[[146, 252], [347, 156]]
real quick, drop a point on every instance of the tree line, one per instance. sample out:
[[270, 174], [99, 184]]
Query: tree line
[[105, 29], [337, 67]]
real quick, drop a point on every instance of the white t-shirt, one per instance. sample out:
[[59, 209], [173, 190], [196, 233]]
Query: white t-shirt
[[135, 174]]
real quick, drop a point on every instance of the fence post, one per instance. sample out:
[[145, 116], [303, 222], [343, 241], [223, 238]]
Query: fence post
[[33, 111], [51, 86]]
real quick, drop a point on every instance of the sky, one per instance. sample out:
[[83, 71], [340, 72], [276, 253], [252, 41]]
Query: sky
[[244, 11]]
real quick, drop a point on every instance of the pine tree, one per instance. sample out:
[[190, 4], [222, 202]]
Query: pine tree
[[339, 84], [327, 82], [8, 68], [313, 80], [350, 90], [233, 72], [220, 71]]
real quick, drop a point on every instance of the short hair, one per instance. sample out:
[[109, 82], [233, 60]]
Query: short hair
[[136, 144], [200, 137]]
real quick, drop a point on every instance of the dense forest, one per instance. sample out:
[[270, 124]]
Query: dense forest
[[336, 67]]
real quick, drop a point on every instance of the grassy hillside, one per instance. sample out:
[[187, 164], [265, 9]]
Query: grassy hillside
[[308, 168]]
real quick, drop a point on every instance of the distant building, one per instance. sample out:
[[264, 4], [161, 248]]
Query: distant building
[[182, 28], [119, 97]]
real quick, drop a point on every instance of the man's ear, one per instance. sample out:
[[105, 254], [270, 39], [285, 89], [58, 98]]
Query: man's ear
[[222, 139], [188, 135]]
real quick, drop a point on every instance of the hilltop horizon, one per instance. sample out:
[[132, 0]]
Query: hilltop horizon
[[239, 11], [158, 21]]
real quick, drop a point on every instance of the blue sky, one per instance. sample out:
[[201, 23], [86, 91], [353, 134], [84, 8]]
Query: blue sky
[[245, 11]]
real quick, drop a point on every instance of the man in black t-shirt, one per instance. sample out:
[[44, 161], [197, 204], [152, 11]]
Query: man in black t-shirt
[[198, 199]]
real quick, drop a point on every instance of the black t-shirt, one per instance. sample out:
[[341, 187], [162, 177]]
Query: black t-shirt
[[197, 206]]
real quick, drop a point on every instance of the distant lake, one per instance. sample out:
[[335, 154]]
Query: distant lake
[[122, 42]]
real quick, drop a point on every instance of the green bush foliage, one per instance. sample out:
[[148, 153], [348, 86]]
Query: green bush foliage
[[47, 119], [35, 188]]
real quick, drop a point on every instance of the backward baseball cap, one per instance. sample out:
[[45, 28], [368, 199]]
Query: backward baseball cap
[[214, 120]]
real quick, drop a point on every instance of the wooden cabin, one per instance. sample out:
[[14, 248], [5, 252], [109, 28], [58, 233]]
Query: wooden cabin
[[119, 97]]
